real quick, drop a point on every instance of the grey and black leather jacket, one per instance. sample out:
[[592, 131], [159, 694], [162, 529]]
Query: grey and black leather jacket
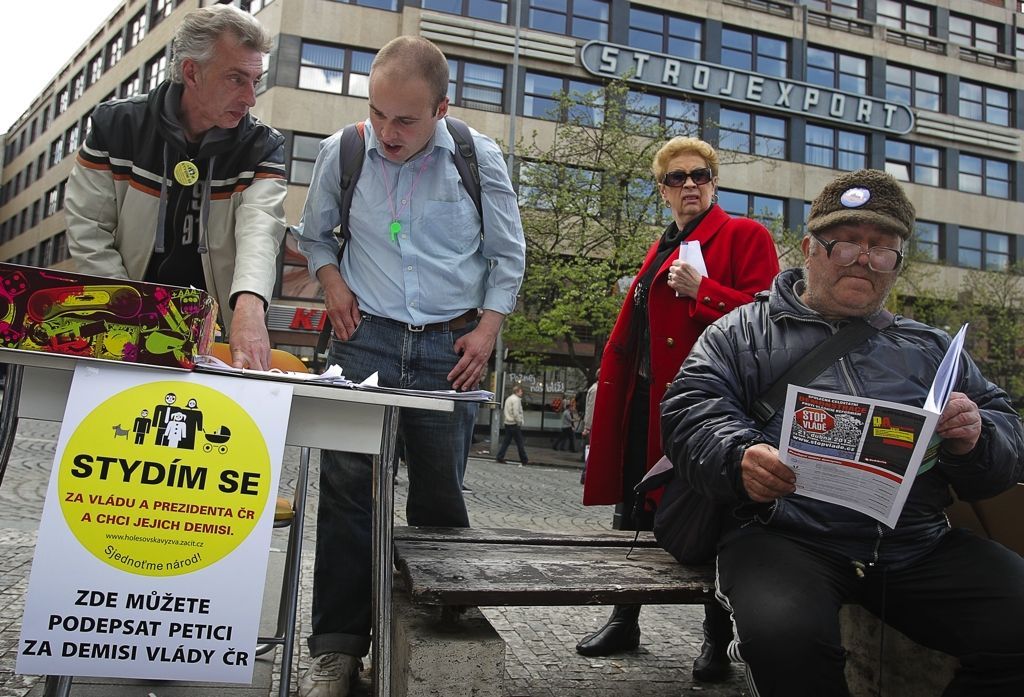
[[706, 422]]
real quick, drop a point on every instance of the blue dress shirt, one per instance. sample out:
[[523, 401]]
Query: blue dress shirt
[[439, 265]]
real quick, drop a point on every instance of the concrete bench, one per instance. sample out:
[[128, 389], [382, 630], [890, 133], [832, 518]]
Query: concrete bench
[[443, 645]]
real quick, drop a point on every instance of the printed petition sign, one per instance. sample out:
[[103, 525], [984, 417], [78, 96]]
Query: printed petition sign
[[153, 544]]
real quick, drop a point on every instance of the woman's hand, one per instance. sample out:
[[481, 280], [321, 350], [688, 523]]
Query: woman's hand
[[683, 279]]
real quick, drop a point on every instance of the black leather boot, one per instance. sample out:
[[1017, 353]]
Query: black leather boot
[[620, 633], [712, 665]]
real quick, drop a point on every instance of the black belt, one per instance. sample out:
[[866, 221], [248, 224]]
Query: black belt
[[450, 325]]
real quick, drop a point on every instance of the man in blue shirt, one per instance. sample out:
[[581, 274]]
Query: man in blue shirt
[[419, 296]]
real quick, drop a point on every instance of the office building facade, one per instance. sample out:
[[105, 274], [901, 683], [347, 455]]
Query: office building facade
[[932, 92]]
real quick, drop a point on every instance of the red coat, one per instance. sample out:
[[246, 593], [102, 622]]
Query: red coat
[[741, 260]]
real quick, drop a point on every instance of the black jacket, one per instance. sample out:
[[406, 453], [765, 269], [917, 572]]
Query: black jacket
[[706, 422]]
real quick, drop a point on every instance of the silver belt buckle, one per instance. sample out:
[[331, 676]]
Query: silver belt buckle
[[416, 327]]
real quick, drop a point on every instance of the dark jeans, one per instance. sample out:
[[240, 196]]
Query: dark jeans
[[567, 436], [513, 432], [436, 448], [964, 598]]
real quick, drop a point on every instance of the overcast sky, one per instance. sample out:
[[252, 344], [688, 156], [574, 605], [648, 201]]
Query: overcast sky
[[40, 36]]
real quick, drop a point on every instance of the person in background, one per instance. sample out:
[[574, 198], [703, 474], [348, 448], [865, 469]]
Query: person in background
[[567, 434], [183, 186], [513, 419], [588, 421], [418, 296], [668, 305], [786, 562]]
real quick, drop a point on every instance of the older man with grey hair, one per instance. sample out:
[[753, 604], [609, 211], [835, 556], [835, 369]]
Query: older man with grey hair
[[182, 186], [787, 562]]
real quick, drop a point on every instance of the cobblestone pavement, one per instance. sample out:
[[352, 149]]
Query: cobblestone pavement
[[540, 661]]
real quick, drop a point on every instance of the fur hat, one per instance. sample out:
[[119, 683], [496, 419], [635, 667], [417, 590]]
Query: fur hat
[[865, 196]]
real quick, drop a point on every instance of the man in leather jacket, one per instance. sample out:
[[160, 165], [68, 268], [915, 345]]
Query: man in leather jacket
[[183, 186], [786, 563]]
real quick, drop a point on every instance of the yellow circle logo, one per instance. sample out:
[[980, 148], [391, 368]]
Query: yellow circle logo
[[164, 478], [186, 173]]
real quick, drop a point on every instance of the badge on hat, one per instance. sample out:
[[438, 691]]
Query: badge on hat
[[855, 197]]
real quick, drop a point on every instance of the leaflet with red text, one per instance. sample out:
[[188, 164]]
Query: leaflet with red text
[[863, 453]]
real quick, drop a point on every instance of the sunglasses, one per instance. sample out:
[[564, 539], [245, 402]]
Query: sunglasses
[[678, 177]]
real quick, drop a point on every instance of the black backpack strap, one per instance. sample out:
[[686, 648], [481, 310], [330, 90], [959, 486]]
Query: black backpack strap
[[810, 366], [350, 163], [466, 162], [351, 152]]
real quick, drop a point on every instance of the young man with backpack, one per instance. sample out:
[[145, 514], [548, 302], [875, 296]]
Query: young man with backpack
[[416, 289]]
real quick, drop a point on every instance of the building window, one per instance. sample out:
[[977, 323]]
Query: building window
[[983, 175], [335, 69], [130, 87], [156, 70], [974, 34], [680, 117], [51, 202], [77, 86], [95, 68], [769, 211], [910, 162], [71, 140], [543, 92], [906, 16], [835, 148], [756, 52], [983, 103], [57, 150], [115, 50], [475, 85], [161, 10], [665, 33], [137, 30], [491, 10], [755, 134], [843, 8], [63, 101], [1020, 43], [978, 249], [584, 19], [926, 243], [304, 152], [841, 71], [915, 88], [59, 248]]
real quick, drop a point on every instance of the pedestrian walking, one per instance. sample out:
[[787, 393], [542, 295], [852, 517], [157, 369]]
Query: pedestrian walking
[[513, 419]]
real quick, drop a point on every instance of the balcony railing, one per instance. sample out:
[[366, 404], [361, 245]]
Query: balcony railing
[[779, 9], [918, 41], [846, 24]]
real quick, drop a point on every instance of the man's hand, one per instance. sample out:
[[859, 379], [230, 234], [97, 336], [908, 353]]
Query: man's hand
[[475, 350], [248, 338], [764, 476], [959, 424], [340, 301]]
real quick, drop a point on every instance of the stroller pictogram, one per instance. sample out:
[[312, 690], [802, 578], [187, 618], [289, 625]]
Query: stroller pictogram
[[217, 439]]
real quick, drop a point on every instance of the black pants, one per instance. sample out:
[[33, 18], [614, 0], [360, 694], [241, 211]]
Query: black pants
[[513, 432], [965, 598]]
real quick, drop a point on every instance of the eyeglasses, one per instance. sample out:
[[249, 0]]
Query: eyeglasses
[[678, 177], [842, 253]]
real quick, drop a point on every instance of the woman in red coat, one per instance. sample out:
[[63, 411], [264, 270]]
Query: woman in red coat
[[669, 304]]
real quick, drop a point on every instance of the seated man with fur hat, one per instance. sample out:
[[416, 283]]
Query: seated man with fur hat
[[786, 562]]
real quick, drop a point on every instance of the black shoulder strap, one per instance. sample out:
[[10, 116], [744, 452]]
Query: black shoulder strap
[[465, 158], [350, 164], [810, 366]]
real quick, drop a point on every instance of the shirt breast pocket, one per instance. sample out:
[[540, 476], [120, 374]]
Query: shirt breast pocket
[[456, 224]]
